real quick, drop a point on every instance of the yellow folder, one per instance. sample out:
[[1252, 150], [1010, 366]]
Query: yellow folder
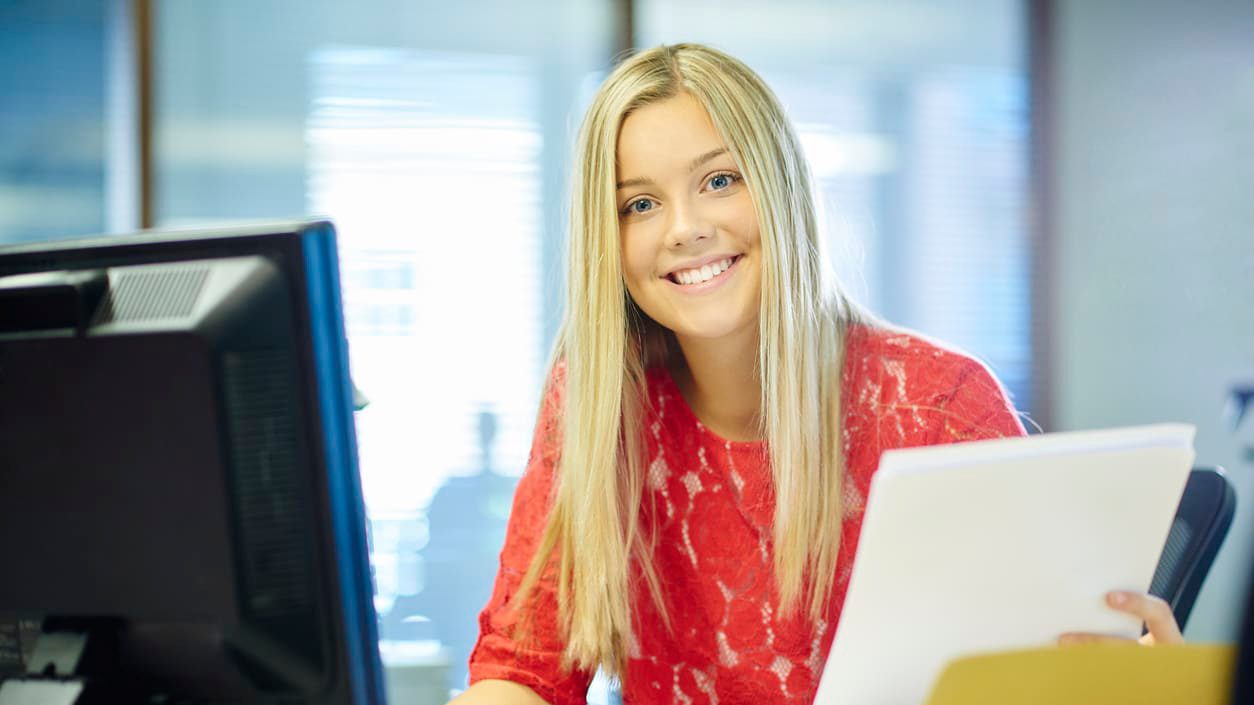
[[1105, 674]]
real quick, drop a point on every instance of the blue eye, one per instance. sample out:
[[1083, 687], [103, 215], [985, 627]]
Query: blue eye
[[718, 182], [638, 206]]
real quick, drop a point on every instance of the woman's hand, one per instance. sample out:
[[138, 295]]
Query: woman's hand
[[1153, 611]]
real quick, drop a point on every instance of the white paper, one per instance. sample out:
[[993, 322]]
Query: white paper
[[19, 692], [1002, 544]]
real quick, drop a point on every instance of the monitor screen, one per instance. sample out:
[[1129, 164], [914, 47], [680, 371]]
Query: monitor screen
[[178, 473]]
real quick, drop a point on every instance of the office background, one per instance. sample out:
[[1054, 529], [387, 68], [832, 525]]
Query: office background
[[1062, 187]]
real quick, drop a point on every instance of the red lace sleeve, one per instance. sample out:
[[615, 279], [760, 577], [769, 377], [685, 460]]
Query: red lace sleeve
[[975, 407], [499, 654]]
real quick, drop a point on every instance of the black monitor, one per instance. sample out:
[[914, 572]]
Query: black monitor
[[179, 494]]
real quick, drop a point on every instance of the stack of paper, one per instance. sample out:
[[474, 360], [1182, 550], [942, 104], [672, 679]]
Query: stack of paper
[[996, 545]]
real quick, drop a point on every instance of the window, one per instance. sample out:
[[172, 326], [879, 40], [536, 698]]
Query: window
[[430, 163], [52, 124], [436, 138]]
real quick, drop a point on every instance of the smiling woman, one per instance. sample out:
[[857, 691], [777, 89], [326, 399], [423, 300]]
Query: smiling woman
[[715, 409]]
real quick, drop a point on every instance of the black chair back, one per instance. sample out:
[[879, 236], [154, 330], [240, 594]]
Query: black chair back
[[1243, 679], [1201, 523]]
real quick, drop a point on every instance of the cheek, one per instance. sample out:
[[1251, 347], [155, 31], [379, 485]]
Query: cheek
[[749, 231], [637, 257]]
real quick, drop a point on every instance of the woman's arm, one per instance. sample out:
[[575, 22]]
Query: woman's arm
[[495, 692], [523, 645]]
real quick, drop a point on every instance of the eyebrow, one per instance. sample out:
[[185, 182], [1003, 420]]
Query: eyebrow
[[640, 181]]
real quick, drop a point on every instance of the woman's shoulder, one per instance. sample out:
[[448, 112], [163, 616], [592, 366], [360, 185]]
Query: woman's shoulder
[[938, 392], [924, 361]]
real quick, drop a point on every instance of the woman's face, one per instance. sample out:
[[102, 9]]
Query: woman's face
[[690, 245]]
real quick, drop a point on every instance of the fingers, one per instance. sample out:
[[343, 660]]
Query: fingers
[[1076, 638], [1152, 610]]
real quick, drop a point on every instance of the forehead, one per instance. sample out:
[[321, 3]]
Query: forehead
[[665, 135]]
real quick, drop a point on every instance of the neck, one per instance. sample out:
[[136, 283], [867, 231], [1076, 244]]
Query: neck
[[719, 380]]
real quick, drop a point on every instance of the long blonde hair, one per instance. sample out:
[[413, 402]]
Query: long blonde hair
[[606, 343]]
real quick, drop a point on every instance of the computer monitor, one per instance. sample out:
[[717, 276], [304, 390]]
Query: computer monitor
[[178, 466]]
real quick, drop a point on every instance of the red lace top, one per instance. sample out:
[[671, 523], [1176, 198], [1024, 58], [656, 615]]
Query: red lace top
[[716, 508]]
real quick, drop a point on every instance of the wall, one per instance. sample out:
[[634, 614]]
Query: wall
[[1154, 236]]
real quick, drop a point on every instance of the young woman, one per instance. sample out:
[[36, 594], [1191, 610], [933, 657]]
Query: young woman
[[715, 410]]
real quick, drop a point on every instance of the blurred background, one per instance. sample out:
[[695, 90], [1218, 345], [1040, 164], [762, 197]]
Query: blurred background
[[1064, 188]]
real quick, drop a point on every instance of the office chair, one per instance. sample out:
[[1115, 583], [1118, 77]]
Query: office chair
[[1201, 523], [1243, 678]]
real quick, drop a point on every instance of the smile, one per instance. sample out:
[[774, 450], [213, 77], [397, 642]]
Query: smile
[[701, 275]]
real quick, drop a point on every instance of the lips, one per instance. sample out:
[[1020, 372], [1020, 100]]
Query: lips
[[701, 271], [699, 287]]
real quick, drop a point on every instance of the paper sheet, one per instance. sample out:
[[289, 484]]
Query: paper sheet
[[19, 692], [994, 545]]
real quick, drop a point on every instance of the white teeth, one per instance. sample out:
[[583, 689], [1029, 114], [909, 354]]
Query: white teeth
[[703, 274]]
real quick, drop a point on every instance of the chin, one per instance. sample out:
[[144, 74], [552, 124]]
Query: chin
[[712, 329]]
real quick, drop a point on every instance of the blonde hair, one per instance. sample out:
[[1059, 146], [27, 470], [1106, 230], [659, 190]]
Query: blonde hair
[[606, 343]]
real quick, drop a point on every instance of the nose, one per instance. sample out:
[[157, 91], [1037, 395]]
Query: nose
[[686, 226]]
